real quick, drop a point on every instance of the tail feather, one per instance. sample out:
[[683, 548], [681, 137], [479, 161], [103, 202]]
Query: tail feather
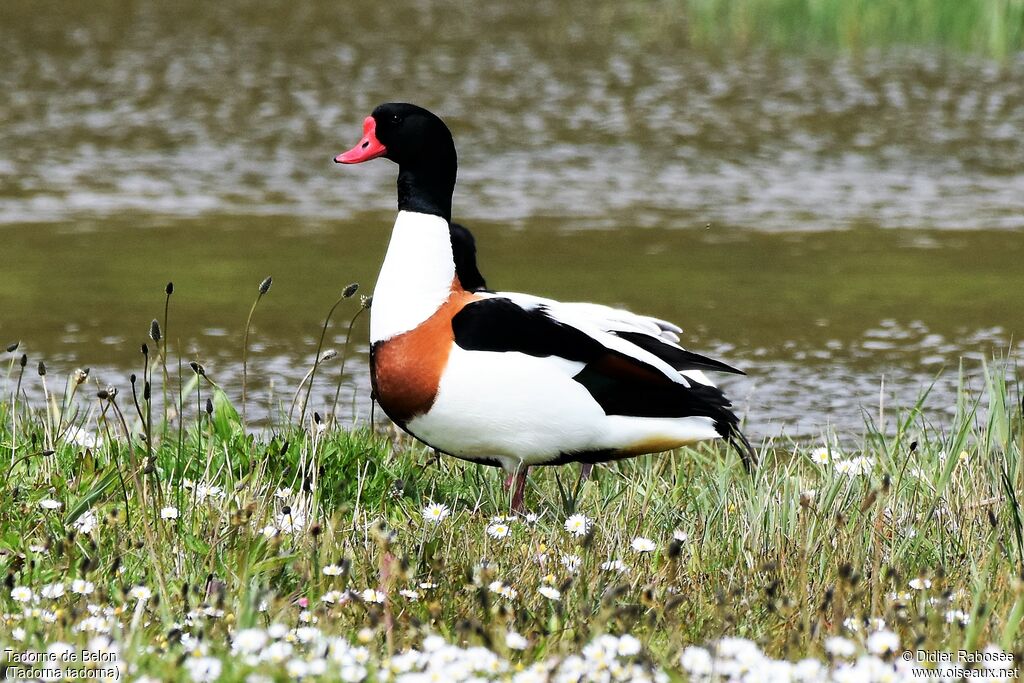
[[746, 451]]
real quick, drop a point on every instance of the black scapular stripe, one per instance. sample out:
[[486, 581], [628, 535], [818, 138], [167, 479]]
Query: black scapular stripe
[[678, 358], [500, 324]]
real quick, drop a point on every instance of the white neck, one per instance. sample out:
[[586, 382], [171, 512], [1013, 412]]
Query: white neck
[[416, 277]]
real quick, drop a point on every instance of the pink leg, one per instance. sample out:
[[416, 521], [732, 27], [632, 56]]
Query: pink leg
[[517, 481]]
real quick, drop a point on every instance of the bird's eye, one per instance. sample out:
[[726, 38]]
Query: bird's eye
[[396, 119]]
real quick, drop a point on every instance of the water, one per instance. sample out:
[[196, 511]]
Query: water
[[821, 219]]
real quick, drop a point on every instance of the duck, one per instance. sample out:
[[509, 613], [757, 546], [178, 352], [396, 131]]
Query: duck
[[506, 379]]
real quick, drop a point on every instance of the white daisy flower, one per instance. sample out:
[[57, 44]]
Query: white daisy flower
[[50, 504], [571, 563], [86, 523], [291, 521], [435, 513], [883, 642], [821, 455], [550, 592], [140, 593], [854, 467], [515, 641], [22, 594], [837, 646], [578, 525], [84, 439], [955, 616], [203, 669], [920, 584], [332, 597], [249, 641], [82, 587], [628, 646], [52, 590], [332, 570], [503, 590], [204, 491], [615, 566], [169, 512], [498, 530], [643, 545]]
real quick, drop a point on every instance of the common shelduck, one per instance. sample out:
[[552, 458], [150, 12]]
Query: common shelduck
[[514, 380]]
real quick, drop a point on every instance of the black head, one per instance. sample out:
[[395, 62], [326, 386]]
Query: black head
[[422, 146]]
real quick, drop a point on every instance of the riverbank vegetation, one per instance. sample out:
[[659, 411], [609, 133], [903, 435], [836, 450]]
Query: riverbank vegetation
[[994, 29], [175, 544]]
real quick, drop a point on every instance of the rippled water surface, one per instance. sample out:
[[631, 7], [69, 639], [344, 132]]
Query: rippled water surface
[[821, 219]]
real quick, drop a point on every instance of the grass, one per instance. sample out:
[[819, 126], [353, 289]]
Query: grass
[[212, 553], [993, 28]]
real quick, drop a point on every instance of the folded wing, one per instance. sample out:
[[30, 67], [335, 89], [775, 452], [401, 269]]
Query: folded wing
[[627, 367]]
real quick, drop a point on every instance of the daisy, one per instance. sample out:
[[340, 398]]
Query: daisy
[[169, 513], [82, 587], [203, 669], [291, 521], [84, 439], [498, 530], [854, 467], [332, 570], [643, 545], [52, 590], [883, 643], [821, 455], [615, 566], [22, 594], [50, 504], [435, 513], [372, 595], [837, 646], [409, 595], [578, 525], [332, 597], [86, 523], [628, 646], [955, 616], [571, 562], [204, 491], [503, 590], [249, 641], [515, 641], [140, 593], [920, 584], [550, 592]]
